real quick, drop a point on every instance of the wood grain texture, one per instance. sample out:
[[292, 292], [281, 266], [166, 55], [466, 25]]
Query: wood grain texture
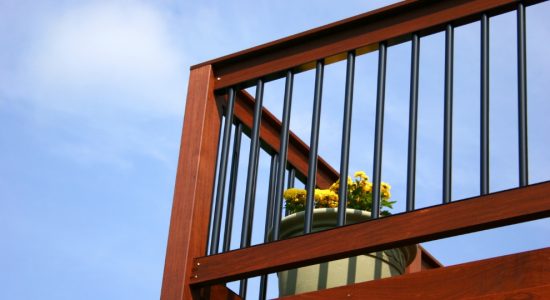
[[393, 24], [460, 217], [532, 293], [495, 278], [270, 130], [194, 185]]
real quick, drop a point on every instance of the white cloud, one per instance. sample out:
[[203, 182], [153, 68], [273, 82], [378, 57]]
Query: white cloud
[[100, 78], [105, 54]]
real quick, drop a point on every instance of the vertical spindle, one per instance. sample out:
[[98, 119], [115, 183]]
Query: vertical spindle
[[379, 131], [222, 171], [448, 114], [314, 145], [413, 118], [484, 134], [522, 96], [346, 133]]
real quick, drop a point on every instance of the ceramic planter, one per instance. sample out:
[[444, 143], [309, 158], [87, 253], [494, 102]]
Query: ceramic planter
[[340, 272]]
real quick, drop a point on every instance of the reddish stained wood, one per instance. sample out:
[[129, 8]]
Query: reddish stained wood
[[460, 217], [423, 261], [393, 23], [428, 261], [216, 292], [194, 185], [496, 275], [532, 293], [270, 128]]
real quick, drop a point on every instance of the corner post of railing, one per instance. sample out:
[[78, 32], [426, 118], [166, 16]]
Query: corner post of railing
[[188, 233]]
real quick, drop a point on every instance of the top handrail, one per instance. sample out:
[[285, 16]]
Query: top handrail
[[362, 33]]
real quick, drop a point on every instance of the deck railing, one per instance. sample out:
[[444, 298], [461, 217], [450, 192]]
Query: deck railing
[[199, 259]]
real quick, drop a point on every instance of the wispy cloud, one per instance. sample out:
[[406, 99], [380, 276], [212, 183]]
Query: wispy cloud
[[97, 67]]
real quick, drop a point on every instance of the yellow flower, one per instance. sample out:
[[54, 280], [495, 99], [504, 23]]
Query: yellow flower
[[361, 174], [367, 188], [295, 195], [335, 186]]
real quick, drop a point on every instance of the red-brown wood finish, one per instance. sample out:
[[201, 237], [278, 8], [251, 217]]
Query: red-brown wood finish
[[217, 292], [194, 185], [423, 261], [533, 293], [460, 217], [270, 130], [501, 275], [393, 23]]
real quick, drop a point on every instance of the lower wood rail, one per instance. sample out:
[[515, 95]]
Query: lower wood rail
[[521, 275], [460, 217]]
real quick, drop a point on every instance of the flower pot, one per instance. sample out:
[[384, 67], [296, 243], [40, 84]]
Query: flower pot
[[339, 272]]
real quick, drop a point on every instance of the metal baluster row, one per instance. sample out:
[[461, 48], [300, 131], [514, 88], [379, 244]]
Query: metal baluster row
[[279, 159]]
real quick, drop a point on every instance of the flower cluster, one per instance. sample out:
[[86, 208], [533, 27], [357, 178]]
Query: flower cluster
[[359, 195]]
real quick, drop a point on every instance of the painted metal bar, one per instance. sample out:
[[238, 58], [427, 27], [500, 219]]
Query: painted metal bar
[[314, 145], [222, 172], [243, 285], [484, 134], [290, 183], [229, 212], [522, 96], [250, 192], [269, 217], [379, 131], [282, 154], [448, 114], [413, 118], [346, 133], [291, 177], [274, 165]]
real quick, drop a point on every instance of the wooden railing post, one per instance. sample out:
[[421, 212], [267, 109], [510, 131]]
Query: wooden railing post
[[194, 185]]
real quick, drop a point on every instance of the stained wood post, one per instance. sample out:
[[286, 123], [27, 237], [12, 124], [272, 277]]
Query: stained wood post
[[194, 185]]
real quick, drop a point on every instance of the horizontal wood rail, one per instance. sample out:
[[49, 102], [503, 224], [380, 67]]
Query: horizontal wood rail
[[270, 130], [460, 217], [394, 24], [470, 280]]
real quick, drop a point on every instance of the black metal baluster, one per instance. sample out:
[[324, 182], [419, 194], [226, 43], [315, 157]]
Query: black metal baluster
[[222, 171], [291, 177], [484, 134], [290, 183], [413, 109], [379, 131], [314, 146], [250, 193], [346, 133], [448, 119], [232, 187], [522, 97], [282, 154], [269, 216]]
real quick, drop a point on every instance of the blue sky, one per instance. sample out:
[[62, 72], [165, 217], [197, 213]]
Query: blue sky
[[92, 95]]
